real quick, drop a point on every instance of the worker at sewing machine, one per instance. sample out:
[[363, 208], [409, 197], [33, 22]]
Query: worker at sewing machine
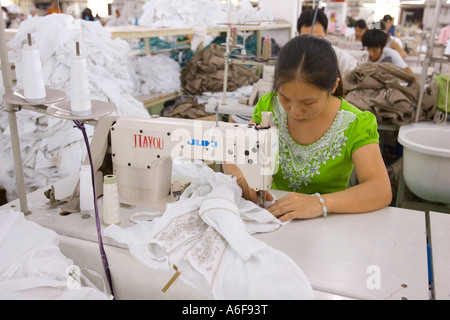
[[376, 40], [318, 27], [322, 138]]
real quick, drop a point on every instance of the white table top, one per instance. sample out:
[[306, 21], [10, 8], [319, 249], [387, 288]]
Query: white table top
[[440, 243], [344, 253], [232, 106], [341, 254]]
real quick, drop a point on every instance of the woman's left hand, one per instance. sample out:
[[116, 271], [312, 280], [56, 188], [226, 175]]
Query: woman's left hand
[[296, 206]]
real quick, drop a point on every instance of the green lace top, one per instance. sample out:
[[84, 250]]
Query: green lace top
[[326, 165]]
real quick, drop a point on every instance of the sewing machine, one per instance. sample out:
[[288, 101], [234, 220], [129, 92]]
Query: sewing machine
[[142, 149]]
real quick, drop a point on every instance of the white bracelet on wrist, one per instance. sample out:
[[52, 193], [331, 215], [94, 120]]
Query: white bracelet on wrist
[[324, 208]]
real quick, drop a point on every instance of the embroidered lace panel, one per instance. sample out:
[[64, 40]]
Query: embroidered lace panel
[[206, 254], [300, 163], [179, 231]]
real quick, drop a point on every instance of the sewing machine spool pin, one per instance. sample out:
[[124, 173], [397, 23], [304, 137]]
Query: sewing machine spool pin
[[50, 194]]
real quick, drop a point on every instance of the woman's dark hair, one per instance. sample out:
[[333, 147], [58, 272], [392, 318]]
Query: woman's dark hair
[[310, 59], [307, 17], [374, 38], [87, 15], [361, 23], [388, 17]]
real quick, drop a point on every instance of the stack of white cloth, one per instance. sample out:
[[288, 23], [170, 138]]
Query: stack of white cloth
[[199, 14], [52, 148], [32, 266], [182, 13], [156, 74], [207, 236]]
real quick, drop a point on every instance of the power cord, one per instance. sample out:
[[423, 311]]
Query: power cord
[[97, 219]]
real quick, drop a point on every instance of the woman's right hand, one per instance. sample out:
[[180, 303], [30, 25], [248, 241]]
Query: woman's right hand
[[247, 192]]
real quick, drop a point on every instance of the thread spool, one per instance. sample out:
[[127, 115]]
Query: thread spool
[[111, 205], [86, 191], [80, 103], [34, 86], [267, 48]]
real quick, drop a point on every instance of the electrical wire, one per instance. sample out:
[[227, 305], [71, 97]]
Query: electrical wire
[[97, 219]]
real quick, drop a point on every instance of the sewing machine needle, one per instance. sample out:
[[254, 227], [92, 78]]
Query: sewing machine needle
[[261, 198]]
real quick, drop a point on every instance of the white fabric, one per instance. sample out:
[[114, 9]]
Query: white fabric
[[32, 265], [346, 61], [156, 74], [392, 56], [207, 235], [182, 13]]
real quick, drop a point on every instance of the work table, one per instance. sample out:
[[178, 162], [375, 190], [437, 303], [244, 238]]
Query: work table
[[375, 255]]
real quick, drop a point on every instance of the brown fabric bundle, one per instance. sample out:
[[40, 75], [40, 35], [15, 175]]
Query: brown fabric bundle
[[184, 107], [389, 92], [205, 72]]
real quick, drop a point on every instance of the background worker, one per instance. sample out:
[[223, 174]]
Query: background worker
[[389, 22], [393, 41], [304, 26], [360, 28], [375, 41]]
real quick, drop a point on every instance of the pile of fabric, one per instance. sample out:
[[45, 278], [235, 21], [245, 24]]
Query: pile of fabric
[[182, 13], [185, 107], [205, 72], [32, 266], [389, 92], [207, 237], [52, 148], [155, 74]]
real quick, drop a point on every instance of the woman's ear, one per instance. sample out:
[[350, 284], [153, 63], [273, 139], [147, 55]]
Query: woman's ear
[[336, 84]]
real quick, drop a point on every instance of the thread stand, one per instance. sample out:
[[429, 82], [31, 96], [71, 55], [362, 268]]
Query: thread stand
[[236, 58], [62, 110]]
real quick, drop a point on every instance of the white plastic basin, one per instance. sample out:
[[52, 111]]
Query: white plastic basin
[[426, 159]]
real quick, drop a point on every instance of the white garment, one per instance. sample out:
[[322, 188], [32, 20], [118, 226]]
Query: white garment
[[392, 56], [398, 40], [346, 61], [207, 235], [32, 265]]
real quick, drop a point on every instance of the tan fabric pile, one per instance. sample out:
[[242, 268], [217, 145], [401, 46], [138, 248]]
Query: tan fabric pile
[[389, 92], [185, 107], [205, 72]]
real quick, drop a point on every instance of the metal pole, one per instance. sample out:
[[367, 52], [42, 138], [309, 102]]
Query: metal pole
[[7, 83], [428, 56], [227, 56]]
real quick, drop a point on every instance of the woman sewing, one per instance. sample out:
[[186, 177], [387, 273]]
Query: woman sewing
[[321, 138]]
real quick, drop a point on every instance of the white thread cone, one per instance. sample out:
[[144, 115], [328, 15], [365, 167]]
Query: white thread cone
[[33, 77], [80, 103], [111, 205], [86, 191]]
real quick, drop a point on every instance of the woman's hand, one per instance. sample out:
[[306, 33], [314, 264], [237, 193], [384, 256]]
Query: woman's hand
[[296, 206], [247, 192]]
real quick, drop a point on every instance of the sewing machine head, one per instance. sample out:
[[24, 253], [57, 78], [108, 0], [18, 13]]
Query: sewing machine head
[[143, 148]]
